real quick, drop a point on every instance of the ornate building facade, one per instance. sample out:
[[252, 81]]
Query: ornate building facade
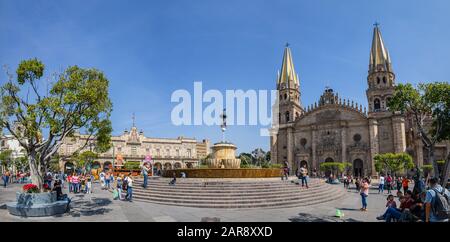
[[339, 130], [134, 146]]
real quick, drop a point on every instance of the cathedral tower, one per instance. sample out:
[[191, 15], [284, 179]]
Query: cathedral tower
[[288, 87], [381, 78], [386, 129]]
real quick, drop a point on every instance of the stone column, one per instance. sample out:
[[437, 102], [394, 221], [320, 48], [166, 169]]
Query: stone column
[[314, 161], [398, 127], [344, 143], [290, 147], [374, 148]]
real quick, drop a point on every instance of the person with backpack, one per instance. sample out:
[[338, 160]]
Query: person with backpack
[[436, 202]]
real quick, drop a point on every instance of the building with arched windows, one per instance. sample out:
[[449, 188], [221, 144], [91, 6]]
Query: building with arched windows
[[134, 146], [340, 130]]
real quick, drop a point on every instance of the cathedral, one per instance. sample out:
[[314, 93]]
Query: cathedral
[[338, 130]]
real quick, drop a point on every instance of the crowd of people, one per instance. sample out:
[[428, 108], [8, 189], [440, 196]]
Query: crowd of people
[[430, 204], [18, 177]]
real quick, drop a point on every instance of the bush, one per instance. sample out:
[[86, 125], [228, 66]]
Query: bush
[[132, 165], [276, 166]]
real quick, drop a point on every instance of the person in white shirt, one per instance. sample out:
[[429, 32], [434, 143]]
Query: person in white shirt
[[381, 186], [129, 182], [102, 179]]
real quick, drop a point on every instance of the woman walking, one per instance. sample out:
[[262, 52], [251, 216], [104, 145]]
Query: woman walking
[[364, 192]]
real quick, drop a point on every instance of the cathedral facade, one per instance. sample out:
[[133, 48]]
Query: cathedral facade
[[338, 130]]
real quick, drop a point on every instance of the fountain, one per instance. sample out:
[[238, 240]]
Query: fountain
[[224, 163]]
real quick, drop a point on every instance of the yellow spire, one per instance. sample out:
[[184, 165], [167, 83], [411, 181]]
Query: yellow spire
[[379, 55], [288, 74]]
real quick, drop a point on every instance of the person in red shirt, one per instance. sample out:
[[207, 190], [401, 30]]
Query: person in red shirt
[[405, 184]]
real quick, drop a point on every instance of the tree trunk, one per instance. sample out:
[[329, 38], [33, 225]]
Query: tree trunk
[[36, 174], [446, 172], [433, 161]]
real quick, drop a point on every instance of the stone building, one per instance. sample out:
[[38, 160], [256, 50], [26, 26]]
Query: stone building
[[340, 130], [134, 146]]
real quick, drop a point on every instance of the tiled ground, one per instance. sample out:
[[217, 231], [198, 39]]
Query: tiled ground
[[100, 206]]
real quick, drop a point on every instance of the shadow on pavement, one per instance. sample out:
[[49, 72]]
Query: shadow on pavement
[[90, 207], [305, 217]]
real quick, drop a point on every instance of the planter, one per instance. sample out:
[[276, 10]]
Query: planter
[[37, 205]]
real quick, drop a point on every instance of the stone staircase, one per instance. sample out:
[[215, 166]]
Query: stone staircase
[[238, 193]]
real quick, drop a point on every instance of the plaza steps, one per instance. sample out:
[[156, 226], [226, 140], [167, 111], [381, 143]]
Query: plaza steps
[[236, 194]]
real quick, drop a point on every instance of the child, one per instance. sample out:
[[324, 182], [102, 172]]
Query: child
[[390, 202], [88, 186]]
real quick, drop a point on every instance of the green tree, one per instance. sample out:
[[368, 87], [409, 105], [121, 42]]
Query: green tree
[[427, 169], [84, 159], [246, 159], [334, 167], [5, 158], [429, 106], [393, 162], [21, 163], [76, 99]]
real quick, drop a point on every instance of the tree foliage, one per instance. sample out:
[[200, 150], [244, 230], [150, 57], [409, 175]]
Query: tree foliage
[[334, 167], [393, 162], [429, 105], [5, 157], [41, 118], [84, 159]]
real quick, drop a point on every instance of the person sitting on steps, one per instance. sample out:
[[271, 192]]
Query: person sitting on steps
[[174, 180]]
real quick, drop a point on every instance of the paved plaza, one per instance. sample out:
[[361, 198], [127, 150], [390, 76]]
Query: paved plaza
[[100, 207]]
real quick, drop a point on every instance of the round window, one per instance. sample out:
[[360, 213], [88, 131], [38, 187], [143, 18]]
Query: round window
[[357, 137]]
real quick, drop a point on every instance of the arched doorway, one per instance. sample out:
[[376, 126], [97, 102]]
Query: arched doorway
[[358, 168], [107, 166], [157, 168], [328, 172], [96, 165], [189, 165], [177, 165], [69, 167], [167, 166]]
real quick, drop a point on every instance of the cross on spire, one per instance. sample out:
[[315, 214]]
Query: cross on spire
[[376, 24], [134, 119], [287, 44]]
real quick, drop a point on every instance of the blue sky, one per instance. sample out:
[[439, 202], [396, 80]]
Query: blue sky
[[148, 49]]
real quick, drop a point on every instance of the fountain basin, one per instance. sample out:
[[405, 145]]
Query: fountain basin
[[225, 172]]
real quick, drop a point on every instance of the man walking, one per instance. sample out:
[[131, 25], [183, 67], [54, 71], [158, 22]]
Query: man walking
[[381, 185], [145, 169], [437, 203], [304, 176]]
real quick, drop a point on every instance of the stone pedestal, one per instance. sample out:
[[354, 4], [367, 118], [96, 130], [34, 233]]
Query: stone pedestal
[[37, 205], [224, 156]]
